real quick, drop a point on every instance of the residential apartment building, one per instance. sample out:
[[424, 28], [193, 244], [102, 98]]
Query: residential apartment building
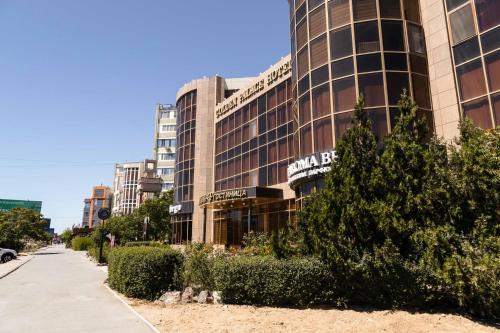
[[134, 183], [100, 198], [165, 143]]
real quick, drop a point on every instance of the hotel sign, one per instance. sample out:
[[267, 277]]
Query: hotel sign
[[263, 84], [223, 196], [310, 166]]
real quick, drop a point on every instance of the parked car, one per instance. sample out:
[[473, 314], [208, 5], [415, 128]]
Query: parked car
[[7, 255]]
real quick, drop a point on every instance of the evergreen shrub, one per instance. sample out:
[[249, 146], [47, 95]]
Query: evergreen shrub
[[144, 272], [266, 280], [81, 243]]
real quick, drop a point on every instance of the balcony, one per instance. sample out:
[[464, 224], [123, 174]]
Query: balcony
[[150, 185]]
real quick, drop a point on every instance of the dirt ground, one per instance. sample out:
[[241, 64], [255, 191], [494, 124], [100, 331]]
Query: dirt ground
[[241, 319]]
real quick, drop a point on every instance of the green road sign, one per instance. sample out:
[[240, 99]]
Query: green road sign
[[6, 205]]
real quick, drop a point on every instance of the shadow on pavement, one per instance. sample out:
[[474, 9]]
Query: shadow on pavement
[[45, 253]]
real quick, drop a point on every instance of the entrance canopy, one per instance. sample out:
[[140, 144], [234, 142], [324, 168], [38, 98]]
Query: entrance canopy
[[240, 198]]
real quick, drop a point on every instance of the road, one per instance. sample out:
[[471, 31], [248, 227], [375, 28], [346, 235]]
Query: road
[[60, 290]]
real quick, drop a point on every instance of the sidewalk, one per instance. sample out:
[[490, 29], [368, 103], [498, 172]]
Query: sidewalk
[[11, 266]]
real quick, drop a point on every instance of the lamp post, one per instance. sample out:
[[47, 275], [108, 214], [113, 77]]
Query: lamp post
[[103, 214]]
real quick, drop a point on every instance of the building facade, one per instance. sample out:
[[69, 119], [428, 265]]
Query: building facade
[[165, 143], [100, 198], [9, 204], [273, 139], [134, 183]]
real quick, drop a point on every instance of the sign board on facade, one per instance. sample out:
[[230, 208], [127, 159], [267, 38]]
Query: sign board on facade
[[174, 209], [310, 166], [223, 196], [7, 205]]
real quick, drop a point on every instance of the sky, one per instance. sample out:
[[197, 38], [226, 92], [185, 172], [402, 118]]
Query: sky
[[79, 81]]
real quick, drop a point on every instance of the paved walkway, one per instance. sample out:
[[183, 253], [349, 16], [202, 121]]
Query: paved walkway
[[6, 269], [61, 291]]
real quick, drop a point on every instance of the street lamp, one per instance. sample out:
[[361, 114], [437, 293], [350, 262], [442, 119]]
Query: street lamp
[[103, 214]]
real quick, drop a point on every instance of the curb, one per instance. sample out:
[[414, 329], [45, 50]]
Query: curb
[[132, 309], [16, 268]]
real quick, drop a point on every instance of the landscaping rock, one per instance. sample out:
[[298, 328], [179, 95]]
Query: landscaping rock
[[187, 295], [216, 298], [203, 297], [170, 297]]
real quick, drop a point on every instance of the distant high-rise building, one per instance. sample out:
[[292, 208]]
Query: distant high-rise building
[[133, 183], [101, 198], [164, 143]]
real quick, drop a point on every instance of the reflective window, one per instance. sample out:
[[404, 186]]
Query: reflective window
[[305, 109], [488, 13], [341, 43], [303, 61], [396, 82], [471, 80], [378, 118], [305, 140], [342, 67], [303, 85], [321, 101], [390, 9], [364, 9], [339, 13], [319, 51], [418, 64], [369, 62], [490, 40], [416, 38], [479, 112], [319, 75], [412, 10], [395, 61], [301, 34], [367, 37], [314, 3], [495, 101], [372, 88], [421, 93], [344, 94], [323, 137], [317, 22], [492, 63], [466, 51], [452, 4], [342, 123], [392, 34], [462, 24]]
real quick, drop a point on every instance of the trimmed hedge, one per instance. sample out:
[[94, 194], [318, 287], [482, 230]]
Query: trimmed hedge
[[144, 272], [265, 280], [145, 243], [82, 243]]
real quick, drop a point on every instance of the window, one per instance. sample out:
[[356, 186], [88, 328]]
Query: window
[[323, 138], [378, 118], [305, 109], [321, 101], [344, 94], [471, 80], [342, 68], [462, 24], [488, 13], [167, 186], [303, 85], [390, 9], [412, 10], [396, 82], [341, 43], [165, 171], [490, 40], [305, 141], [166, 157], [421, 91], [319, 75], [342, 123], [372, 88], [364, 9], [492, 63], [495, 101], [395, 61], [392, 32], [369, 63], [466, 51], [452, 4], [339, 13], [166, 142], [479, 112], [319, 51], [314, 3], [303, 61], [367, 37], [167, 128], [301, 34], [317, 22], [416, 38]]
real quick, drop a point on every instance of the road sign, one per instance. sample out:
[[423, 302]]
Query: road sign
[[104, 213]]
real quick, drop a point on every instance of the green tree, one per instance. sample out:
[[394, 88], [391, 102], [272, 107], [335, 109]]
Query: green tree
[[66, 236], [157, 212], [21, 225]]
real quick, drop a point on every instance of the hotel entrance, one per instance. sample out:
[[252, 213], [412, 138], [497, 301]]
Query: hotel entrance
[[260, 210]]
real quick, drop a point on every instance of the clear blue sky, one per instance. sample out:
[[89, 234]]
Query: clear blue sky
[[79, 81]]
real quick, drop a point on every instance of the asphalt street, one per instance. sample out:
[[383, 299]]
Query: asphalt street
[[60, 290]]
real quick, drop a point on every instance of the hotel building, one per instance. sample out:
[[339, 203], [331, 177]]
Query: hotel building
[[164, 144], [273, 139], [100, 198]]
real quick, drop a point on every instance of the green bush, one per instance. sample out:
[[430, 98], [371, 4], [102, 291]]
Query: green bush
[[197, 270], [144, 272], [145, 243], [93, 252], [265, 280], [81, 243]]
